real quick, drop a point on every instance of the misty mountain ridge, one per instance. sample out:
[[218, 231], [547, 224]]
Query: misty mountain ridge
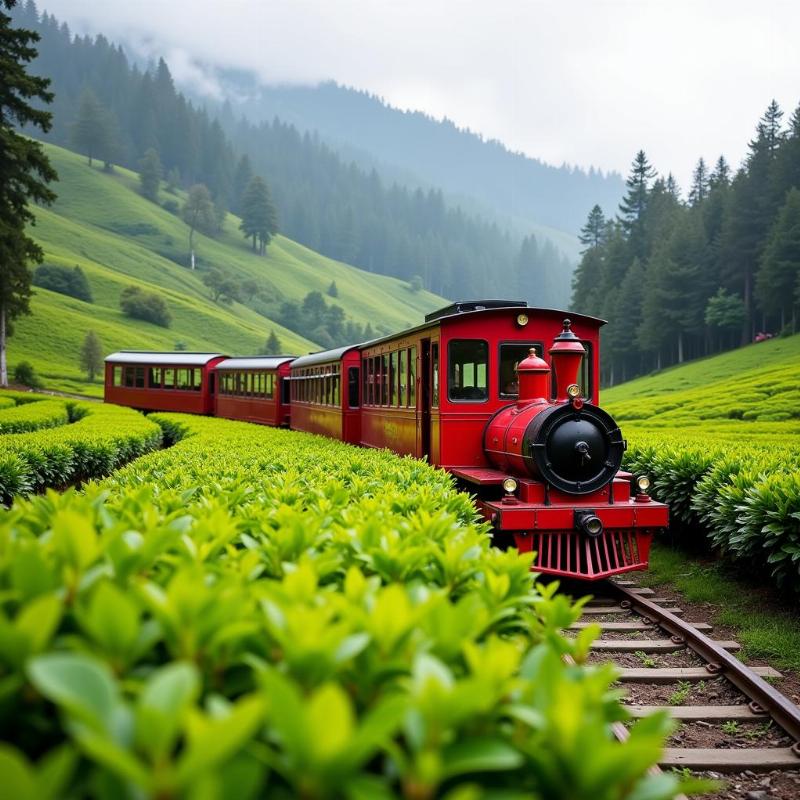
[[415, 148], [353, 201]]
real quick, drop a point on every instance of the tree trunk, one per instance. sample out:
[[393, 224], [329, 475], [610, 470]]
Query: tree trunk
[[3, 367], [680, 347]]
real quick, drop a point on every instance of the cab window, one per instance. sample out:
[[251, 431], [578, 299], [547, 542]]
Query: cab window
[[510, 356], [468, 370]]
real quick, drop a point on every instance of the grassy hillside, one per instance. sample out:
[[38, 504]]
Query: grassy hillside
[[101, 223], [753, 391]]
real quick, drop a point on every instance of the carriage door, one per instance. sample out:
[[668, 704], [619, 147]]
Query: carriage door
[[424, 400]]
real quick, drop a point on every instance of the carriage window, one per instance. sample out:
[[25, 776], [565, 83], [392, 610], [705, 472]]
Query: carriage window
[[402, 375], [168, 378], [154, 377], [117, 377], [197, 380], [393, 379], [385, 379], [352, 387], [129, 374], [468, 363], [412, 377], [435, 374], [510, 356], [337, 394]]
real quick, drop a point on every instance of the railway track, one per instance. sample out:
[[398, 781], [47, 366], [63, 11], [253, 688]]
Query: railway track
[[733, 723]]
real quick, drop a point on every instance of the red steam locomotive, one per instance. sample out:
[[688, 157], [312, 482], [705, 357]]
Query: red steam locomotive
[[503, 396]]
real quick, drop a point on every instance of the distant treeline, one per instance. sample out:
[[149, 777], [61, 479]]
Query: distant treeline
[[683, 278], [323, 202]]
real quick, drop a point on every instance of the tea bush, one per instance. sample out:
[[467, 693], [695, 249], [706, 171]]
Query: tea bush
[[256, 612], [33, 416], [100, 439], [738, 495]]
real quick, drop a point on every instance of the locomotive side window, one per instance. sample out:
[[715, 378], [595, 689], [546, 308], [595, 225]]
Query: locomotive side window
[[510, 355], [435, 374], [468, 370], [584, 374]]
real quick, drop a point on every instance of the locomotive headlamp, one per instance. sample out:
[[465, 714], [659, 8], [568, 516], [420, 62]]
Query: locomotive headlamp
[[509, 486], [643, 482], [573, 390], [522, 320], [589, 523]]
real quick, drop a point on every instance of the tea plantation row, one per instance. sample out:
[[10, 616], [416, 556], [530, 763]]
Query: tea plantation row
[[721, 439], [255, 612], [67, 442]]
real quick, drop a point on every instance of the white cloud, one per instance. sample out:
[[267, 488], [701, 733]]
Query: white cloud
[[586, 81]]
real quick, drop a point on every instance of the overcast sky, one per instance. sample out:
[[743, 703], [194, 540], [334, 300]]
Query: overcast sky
[[581, 81]]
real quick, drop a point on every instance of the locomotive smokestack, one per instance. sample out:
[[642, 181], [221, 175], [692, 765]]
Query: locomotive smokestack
[[566, 354], [534, 379]]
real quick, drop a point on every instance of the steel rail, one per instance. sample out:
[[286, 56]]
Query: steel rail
[[718, 661]]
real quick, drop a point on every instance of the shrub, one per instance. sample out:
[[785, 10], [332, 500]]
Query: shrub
[[171, 206], [257, 612], [100, 439], [140, 304], [34, 416], [72, 282], [25, 374]]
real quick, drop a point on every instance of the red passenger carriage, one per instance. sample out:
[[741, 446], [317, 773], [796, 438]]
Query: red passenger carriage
[[325, 396], [254, 389], [161, 381]]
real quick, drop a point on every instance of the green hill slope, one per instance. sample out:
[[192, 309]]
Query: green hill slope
[[101, 223], [751, 391]]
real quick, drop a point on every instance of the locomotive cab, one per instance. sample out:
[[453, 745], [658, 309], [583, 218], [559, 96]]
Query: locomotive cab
[[557, 488]]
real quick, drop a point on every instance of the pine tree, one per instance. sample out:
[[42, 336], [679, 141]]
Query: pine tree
[[273, 345], [721, 174], [634, 204], [753, 206], [333, 290], [198, 214], [91, 355], [150, 172], [779, 270], [259, 220], [91, 134], [25, 171], [593, 232], [700, 183]]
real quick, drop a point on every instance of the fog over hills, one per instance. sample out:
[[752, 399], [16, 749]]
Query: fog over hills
[[414, 147]]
